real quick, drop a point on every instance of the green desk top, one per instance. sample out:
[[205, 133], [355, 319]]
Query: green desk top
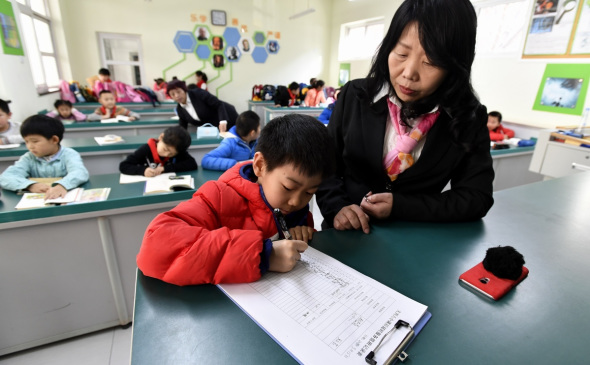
[[512, 150], [544, 320], [161, 109], [147, 121], [83, 145], [121, 196]]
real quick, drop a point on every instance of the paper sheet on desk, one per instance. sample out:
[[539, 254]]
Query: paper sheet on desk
[[324, 312], [128, 179], [7, 146]]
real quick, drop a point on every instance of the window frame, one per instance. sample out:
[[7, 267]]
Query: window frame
[[345, 31], [26, 9], [101, 36]]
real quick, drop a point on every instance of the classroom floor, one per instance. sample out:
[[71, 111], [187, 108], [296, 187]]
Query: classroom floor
[[107, 347]]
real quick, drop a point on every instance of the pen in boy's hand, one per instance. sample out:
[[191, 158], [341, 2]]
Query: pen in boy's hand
[[282, 223]]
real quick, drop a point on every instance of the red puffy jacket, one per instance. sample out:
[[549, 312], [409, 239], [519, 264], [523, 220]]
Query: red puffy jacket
[[498, 134], [216, 237]]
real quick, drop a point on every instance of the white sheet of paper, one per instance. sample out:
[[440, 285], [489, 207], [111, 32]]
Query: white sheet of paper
[[324, 312], [128, 179], [8, 146]]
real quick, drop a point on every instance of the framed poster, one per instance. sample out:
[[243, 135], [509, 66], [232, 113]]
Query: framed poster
[[563, 88], [218, 17], [11, 43]]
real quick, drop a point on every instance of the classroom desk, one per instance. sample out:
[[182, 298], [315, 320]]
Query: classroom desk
[[166, 111], [70, 270], [130, 106], [105, 159], [151, 126], [511, 167], [271, 112], [544, 320], [258, 107]]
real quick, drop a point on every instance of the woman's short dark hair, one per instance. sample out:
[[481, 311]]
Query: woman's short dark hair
[[447, 31], [176, 84]]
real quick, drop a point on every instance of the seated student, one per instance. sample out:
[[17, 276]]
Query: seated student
[[233, 150], [65, 111], [9, 131], [201, 80], [497, 132], [168, 153], [327, 113], [287, 96], [315, 95], [46, 158], [109, 109], [227, 232], [104, 82]]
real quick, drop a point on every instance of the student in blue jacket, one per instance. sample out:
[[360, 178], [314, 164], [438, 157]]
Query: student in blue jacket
[[46, 158], [240, 146]]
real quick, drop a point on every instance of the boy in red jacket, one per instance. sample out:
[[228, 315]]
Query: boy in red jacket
[[497, 132], [228, 232]]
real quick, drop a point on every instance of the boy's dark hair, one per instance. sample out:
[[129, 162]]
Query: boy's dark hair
[[293, 86], [246, 122], [177, 137], [104, 71], [4, 106], [60, 102], [42, 125], [318, 83], [300, 140], [104, 92], [497, 115]]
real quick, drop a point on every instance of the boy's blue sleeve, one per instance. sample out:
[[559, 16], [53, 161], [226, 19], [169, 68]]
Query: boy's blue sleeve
[[265, 256], [16, 177], [76, 172], [219, 158]]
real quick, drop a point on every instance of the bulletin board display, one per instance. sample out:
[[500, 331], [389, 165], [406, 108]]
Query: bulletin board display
[[11, 43], [558, 29], [563, 88]]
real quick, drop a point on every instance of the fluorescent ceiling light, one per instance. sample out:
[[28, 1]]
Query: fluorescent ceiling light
[[300, 14]]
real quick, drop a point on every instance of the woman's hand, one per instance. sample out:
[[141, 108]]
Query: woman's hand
[[377, 205], [301, 233], [351, 217]]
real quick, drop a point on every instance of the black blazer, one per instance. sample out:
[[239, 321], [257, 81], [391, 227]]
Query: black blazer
[[357, 128], [209, 109]]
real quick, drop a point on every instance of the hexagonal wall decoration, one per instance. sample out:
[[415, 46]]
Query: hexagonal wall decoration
[[272, 46], [185, 42], [218, 61], [232, 36], [202, 33], [232, 54], [259, 55], [203, 51], [245, 45], [259, 38]]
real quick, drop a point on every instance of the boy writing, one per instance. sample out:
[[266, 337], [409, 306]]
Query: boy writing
[[227, 232], [9, 131], [109, 109], [168, 153], [241, 148], [497, 131], [46, 158]]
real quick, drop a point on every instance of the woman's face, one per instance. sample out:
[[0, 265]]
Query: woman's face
[[178, 95], [412, 75]]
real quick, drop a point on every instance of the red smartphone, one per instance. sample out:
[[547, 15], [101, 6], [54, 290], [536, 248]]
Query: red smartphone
[[486, 283]]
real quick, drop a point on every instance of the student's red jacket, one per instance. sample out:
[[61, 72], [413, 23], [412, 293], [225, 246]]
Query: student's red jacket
[[221, 235], [498, 134]]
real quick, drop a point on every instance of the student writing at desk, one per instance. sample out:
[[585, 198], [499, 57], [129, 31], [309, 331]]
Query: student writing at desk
[[46, 158], [168, 153], [411, 126], [497, 131], [227, 232]]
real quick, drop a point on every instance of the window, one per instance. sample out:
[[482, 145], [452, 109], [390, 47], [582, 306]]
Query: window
[[359, 40], [501, 26], [122, 55], [39, 45]]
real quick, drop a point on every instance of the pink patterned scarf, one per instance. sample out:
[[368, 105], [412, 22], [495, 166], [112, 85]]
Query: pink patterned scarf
[[400, 158]]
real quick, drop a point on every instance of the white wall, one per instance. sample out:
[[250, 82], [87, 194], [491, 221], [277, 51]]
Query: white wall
[[302, 53]]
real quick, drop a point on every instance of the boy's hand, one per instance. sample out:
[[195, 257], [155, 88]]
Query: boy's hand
[[301, 233], [149, 172], [38, 188], [285, 254], [352, 217], [57, 191], [159, 170], [131, 119]]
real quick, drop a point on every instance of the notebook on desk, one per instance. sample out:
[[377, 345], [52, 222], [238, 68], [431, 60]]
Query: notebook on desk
[[324, 312]]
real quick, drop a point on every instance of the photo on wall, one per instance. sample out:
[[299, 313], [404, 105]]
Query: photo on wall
[[563, 88], [561, 93]]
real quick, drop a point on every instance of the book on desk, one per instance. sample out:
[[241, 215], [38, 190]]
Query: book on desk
[[74, 196], [167, 184]]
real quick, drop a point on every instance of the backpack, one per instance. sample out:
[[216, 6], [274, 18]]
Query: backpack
[[65, 93], [148, 95], [126, 93], [268, 92], [75, 88], [256, 89], [87, 94]]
